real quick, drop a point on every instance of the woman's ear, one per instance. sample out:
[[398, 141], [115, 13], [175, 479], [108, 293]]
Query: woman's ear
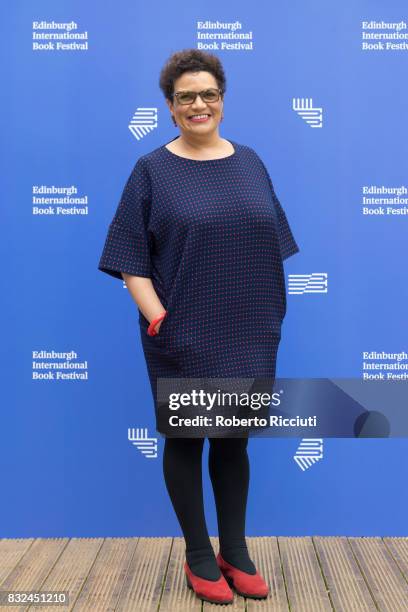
[[170, 105]]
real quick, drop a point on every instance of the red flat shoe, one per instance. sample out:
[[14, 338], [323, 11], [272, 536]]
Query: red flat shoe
[[214, 591], [247, 585]]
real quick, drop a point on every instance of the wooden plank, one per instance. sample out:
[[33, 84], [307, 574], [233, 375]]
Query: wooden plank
[[70, 571], [143, 584], [385, 581], [398, 547], [33, 567], [264, 553], [347, 587], [11, 551], [106, 577], [176, 595], [120, 574], [304, 582]]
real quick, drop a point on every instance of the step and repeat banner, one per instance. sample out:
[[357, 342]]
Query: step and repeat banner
[[319, 92]]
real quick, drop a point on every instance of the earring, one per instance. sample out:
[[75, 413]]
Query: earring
[[222, 117], [174, 121]]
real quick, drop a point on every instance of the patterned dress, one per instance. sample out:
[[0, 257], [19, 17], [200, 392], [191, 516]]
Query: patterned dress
[[212, 236]]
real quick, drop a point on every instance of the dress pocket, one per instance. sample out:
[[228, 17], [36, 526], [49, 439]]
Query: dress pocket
[[158, 338], [164, 325]]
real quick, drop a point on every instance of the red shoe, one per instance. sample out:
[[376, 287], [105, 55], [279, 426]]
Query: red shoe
[[214, 591], [247, 585]]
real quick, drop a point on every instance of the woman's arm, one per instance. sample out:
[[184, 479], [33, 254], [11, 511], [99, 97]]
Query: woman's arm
[[142, 291]]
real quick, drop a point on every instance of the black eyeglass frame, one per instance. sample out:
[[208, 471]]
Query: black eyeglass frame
[[198, 93]]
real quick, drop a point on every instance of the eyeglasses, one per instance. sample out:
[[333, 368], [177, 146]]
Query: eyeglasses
[[207, 95]]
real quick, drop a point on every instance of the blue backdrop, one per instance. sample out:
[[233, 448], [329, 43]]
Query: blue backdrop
[[68, 465]]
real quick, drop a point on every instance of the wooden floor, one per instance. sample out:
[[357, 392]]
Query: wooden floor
[[307, 574]]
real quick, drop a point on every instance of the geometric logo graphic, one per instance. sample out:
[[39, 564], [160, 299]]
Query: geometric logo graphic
[[309, 451], [307, 283], [312, 115], [146, 445], [143, 121]]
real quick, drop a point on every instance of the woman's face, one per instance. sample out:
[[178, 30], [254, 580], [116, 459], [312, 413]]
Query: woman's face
[[196, 81]]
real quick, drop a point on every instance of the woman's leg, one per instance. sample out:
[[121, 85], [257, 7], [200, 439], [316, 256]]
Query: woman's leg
[[228, 465], [182, 467]]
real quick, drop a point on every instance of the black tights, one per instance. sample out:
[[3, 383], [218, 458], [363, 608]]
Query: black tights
[[229, 472]]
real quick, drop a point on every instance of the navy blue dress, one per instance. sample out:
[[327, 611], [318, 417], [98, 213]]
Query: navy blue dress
[[211, 235]]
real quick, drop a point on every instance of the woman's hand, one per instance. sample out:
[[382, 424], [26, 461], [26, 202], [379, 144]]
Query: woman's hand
[[142, 291], [157, 326]]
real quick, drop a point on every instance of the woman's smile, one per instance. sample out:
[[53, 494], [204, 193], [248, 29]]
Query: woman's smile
[[199, 118]]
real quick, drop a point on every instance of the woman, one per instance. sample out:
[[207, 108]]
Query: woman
[[199, 237]]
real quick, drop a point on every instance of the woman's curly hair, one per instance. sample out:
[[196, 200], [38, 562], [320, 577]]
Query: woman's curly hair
[[190, 60]]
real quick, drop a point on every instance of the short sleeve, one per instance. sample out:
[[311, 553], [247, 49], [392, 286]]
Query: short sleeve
[[287, 242], [127, 246]]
